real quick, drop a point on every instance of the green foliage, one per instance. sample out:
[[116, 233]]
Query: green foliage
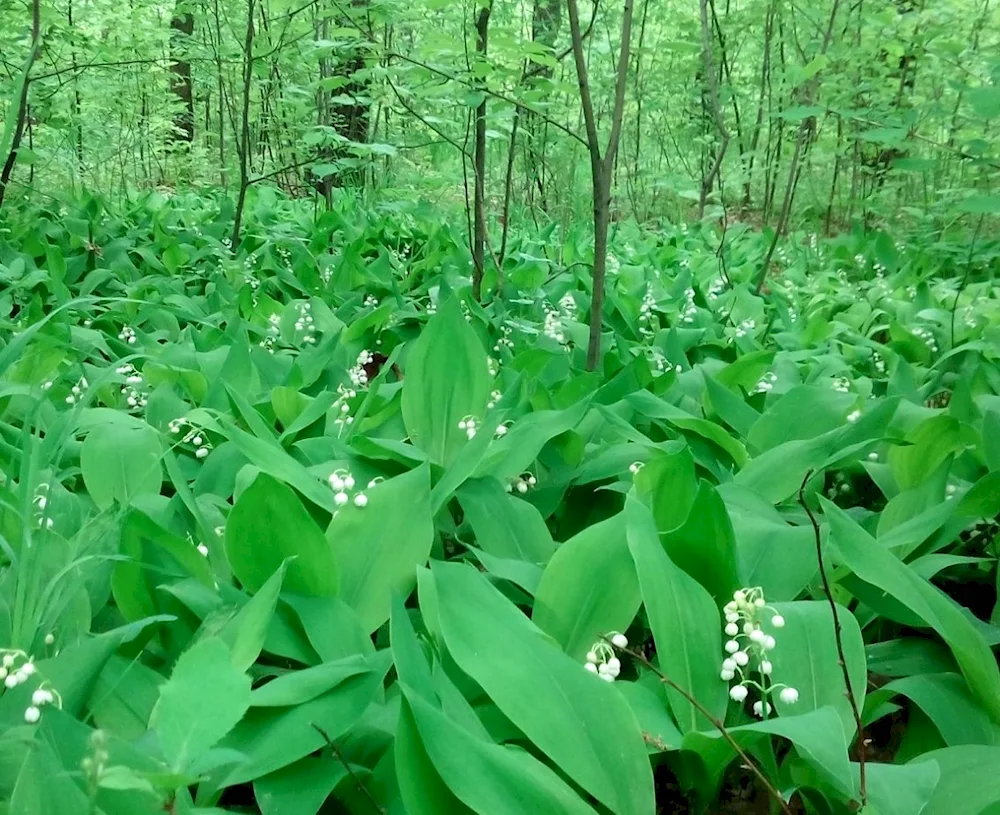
[[260, 566]]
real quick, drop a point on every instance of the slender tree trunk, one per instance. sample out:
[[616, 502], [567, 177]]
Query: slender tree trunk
[[22, 103], [715, 111], [765, 70], [243, 143], [181, 30], [601, 166], [479, 162]]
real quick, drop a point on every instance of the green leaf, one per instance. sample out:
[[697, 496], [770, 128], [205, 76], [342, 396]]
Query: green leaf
[[806, 659], [300, 788], [817, 737], [246, 632], [446, 381], [685, 623], [704, 546], [588, 588], [268, 526], [899, 789], [505, 526], [298, 687], [873, 564], [580, 722], [668, 483], [803, 412], [929, 445], [203, 700], [379, 547], [969, 779], [120, 462]]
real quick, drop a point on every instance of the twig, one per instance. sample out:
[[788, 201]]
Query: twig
[[666, 680], [340, 757], [841, 658], [965, 277]]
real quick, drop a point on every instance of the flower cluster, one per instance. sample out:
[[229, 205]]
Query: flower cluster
[[431, 307], [553, 327], [853, 416], [75, 392], [495, 397], [342, 482], [193, 435], [305, 324], [127, 335], [613, 264], [41, 501], [690, 309], [505, 341], [567, 305], [841, 383], [370, 301], [748, 649], [135, 395], [521, 484], [17, 668], [273, 332], [716, 289], [601, 659], [501, 430], [358, 374], [470, 425], [765, 383], [635, 466], [927, 336], [878, 362], [492, 366], [745, 327], [342, 407]]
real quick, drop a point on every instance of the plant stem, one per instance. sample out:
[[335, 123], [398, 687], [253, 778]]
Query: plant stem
[[838, 636], [716, 723], [340, 757]]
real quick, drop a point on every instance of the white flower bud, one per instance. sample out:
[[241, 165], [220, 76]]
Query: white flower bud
[[739, 596], [727, 676], [729, 664], [202, 550], [197, 441], [614, 666], [32, 715], [49, 639], [8, 660], [41, 697], [759, 602], [732, 629], [766, 667], [590, 666], [336, 482], [732, 646], [778, 621], [360, 500], [12, 680], [749, 628], [522, 487], [619, 641], [349, 482], [502, 430], [768, 643], [201, 452], [732, 618], [729, 608], [27, 669], [461, 424], [340, 499], [591, 658], [873, 456], [741, 658], [789, 696], [603, 668], [607, 677], [757, 635], [758, 709], [738, 693]]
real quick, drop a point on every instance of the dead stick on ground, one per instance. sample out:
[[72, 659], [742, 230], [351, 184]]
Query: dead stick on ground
[[340, 757]]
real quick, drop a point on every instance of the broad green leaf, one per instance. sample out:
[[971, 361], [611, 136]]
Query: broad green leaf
[[873, 564], [668, 479], [899, 789], [969, 779], [446, 381], [268, 526], [946, 700], [489, 778], [580, 722], [505, 526], [204, 699], [929, 445], [806, 659], [120, 462], [704, 545], [685, 622], [246, 632], [379, 547], [297, 687], [817, 737], [656, 408], [803, 412], [300, 788], [588, 588]]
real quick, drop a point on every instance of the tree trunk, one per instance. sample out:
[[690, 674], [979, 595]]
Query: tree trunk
[[22, 104], [479, 163], [601, 166], [243, 142], [181, 29]]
